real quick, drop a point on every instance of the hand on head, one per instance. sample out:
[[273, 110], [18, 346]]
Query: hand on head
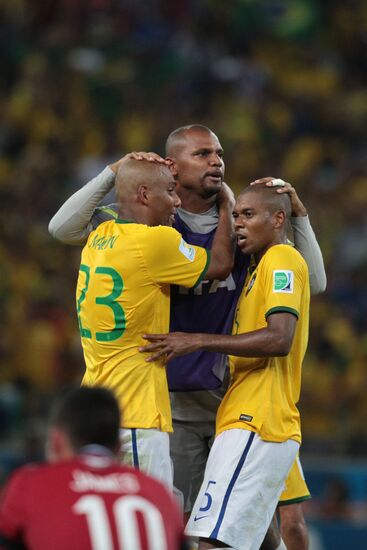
[[141, 155], [298, 208]]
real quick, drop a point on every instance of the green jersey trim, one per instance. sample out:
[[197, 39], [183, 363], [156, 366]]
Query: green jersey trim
[[203, 273], [294, 500], [118, 220], [280, 309]]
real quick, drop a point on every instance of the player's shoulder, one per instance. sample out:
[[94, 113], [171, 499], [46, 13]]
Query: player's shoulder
[[161, 230], [47, 469], [284, 260], [285, 252], [161, 236], [143, 229], [27, 474], [32, 468]]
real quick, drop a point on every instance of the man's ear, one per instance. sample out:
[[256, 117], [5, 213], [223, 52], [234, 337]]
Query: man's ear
[[172, 166], [143, 194], [279, 219]]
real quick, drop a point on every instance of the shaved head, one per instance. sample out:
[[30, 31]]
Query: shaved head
[[134, 173], [177, 139], [145, 192], [270, 198]]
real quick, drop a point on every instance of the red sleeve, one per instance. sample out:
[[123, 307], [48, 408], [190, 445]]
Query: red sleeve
[[12, 509]]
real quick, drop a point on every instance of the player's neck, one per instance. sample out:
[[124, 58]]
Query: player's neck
[[279, 238], [126, 214], [134, 214], [196, 204]]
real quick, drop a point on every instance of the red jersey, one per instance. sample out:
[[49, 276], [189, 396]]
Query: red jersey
[[90, 503]]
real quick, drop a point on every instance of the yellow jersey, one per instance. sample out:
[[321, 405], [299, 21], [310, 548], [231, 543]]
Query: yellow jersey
[[264, 391], [123, 292]]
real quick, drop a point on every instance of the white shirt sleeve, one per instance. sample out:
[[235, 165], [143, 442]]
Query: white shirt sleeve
[[72, 222], [306, 243]]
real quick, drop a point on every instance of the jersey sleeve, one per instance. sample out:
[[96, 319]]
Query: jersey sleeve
[[170, 259], [285, 277], [12, 513]]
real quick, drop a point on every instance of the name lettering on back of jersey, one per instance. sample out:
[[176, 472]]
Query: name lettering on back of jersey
[[101, 243], [187, 250], [283, 281], [112, 483], [246, 417], [212, 286]]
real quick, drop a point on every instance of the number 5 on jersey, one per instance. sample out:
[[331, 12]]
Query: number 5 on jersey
[[109, 301]]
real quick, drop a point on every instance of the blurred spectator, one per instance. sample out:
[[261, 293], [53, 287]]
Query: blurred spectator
[[335, 502]]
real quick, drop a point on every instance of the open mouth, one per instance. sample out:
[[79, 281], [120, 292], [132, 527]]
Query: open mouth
[[215, 176]]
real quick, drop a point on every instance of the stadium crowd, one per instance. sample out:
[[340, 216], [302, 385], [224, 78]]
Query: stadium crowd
[[82, 82]]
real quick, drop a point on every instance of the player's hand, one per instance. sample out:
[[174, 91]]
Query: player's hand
[[225, 197], [298, 208], [168, 346], [150, 157]]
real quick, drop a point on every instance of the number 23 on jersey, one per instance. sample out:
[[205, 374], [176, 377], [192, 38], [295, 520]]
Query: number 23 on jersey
[[110, 301]]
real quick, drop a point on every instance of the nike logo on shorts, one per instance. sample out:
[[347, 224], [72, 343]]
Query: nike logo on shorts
[[196, 518]]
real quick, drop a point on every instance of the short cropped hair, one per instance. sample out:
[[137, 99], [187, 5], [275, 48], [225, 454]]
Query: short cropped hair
[[271, 198], [177, 136], [88, 415]]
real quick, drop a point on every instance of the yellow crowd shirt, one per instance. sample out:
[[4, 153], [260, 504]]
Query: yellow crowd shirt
[[123, 292], [264, 391]]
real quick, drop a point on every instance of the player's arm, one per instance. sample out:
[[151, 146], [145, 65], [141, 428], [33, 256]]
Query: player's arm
[[222, 252], [72, 223], [304, 237], [306, 243], [274, 340], [12, 511], [6, 544]]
